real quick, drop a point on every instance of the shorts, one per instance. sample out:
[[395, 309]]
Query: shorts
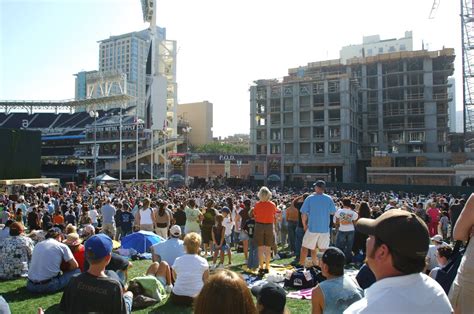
[[264, 235], [228, 239], [224, 248], [313, 240], [243, 236], [162, 280]]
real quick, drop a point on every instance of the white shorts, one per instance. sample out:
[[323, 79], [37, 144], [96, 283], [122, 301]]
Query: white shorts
[[315, 240]]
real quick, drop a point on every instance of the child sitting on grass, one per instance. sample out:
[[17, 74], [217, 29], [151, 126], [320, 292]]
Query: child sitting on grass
[[218, 238]]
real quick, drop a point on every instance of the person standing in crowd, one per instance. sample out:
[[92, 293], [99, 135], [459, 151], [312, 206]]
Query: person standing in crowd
[[359, 238], [33, 219], [264, 213], [193, 218], [234, 296], [180, 216], [396, 250], [145, 218], [167, 251], [299, 231], [108, 221], [241, 218], [209, 214], [338, 291], [229, 225], [434, 214], [461, 293], [162, 220], [315, 216], [70, 217], [444, 225], [118, 221], [218, 238], [22, 207], [96, 290], [431, 260], [292, 222], [15, 252], [44, 275], [5, 232], [190, 272], [127, 220], [249, 228], [94, 215], [344, 218]]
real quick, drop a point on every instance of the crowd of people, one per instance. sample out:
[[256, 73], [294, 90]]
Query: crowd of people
[[402, 243]]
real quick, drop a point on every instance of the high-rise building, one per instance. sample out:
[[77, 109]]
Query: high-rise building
[[373, 45], [453, 126], [329, 118]]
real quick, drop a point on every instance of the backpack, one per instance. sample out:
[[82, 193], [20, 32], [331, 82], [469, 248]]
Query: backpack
[[304, 279], [446, 275]]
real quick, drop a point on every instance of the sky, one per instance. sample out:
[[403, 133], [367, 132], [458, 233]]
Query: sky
[[223, 46]]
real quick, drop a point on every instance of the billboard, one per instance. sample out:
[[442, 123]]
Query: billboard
[[21, 154]]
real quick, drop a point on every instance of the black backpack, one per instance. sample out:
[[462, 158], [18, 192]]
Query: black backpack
[[446, 275]]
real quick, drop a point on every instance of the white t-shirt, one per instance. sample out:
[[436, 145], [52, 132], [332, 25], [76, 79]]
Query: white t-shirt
[[189, 269], [93, 215], [145, 216], [47, 258], [415, 293], [228, 224], [346, 219]]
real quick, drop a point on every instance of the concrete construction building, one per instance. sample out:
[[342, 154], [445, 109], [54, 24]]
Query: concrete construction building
[[199, 117], [453, 126], [372, 46], [330, 118]]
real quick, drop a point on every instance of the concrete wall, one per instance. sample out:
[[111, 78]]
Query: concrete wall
[[200, 118]]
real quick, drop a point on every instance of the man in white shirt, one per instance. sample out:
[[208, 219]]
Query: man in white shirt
[[345, 218], [396, 250]]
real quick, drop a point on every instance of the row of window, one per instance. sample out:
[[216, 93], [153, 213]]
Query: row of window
[[304, 148]]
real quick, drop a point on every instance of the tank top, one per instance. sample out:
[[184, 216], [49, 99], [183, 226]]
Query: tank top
[[145, 216], [218, 234], [339, 293]]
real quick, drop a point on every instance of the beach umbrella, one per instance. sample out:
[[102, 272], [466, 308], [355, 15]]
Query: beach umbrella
[[141, 241]]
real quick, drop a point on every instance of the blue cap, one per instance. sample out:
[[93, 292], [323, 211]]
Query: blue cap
[[225, 210], [98, 246], [320, 184]]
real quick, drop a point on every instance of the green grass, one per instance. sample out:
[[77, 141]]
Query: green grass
[[24, 302]]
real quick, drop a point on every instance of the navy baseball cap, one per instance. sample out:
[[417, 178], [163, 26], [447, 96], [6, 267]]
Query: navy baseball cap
[[225, 210], [320, 184], [98, 246], [271, 296]]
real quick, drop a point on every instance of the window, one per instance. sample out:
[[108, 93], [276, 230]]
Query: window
[[381, 50], [335, 148], [403, 47], [305, 133], [288, 148], [275, 134], [416, 136], [391, 49], [275, 148], [288, 118], [318, 133], [305, 148], [319, 148], [288, 134], [334, 132], [369, 52]]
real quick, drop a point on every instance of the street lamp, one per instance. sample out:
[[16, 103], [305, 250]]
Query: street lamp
[[136, 147], [186, 132], [95, 152]]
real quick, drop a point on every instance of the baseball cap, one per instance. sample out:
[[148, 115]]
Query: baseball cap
[[437, 238], [225, 210], [175, 231], [98, 246], [271, 296], [320, 184], [402, 231], [334, 256]]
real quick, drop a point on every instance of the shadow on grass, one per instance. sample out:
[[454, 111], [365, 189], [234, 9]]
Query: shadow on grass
[[168, 307], [21, 294]]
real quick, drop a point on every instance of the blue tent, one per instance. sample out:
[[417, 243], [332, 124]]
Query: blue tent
[[141, 241]]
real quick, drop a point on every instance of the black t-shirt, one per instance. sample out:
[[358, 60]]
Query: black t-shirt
[[244, 214], [298, 206], [70, 218], [180, 217], [32, 220], [87, 293], [455, 212], [249, 226]]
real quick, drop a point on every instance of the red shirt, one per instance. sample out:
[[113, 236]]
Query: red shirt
[[264, 212]]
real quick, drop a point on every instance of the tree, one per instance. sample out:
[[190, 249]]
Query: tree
[[220, 148]]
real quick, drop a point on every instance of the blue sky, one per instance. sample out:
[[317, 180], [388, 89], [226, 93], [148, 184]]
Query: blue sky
[[223, 45]]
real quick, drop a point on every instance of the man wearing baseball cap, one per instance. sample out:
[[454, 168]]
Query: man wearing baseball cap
[[338, 292], [271, 298], [315, 216], [396, 250], [96, 290]]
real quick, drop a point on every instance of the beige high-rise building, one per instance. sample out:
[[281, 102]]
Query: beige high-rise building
[[199, 117]]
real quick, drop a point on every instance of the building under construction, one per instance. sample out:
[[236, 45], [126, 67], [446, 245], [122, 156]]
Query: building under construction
[[330, 119]]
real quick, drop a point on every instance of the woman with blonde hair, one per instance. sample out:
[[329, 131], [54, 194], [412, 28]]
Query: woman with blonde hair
[[225, 292], [264, 213], [190, 271]]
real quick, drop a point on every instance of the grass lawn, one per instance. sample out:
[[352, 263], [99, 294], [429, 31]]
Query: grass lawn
[[21, 301]]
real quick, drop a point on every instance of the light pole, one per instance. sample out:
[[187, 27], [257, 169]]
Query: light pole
[[95, 152], [186, 131], [120, 149], [136, 147], [239, 164], [152, 161]]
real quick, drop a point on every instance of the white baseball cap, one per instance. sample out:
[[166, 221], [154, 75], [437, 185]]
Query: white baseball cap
[[175, 231]]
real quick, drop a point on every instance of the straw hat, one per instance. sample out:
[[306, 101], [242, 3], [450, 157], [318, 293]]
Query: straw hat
[[72, 239]]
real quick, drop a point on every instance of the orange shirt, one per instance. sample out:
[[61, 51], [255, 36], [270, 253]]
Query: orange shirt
[[264, 212], [58, 219]]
